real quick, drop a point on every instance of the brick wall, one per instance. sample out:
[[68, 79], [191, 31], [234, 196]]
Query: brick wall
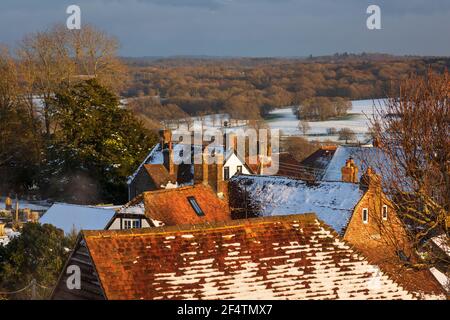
[[377, 238]]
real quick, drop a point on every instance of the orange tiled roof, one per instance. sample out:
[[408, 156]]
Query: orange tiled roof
[[289, 257], [171, 206]]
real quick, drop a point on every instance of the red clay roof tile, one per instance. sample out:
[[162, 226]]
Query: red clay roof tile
[[290, 257]]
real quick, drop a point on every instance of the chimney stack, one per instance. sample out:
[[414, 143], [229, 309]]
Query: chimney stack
[[350, 171], [165, 136], [205, 167], [219, 174], [370, 180], [168, 159]]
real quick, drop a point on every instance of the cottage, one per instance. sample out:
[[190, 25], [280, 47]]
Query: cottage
[[289, 257], [166, 167], [359, 212]]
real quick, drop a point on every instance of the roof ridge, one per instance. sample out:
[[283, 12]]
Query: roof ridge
[[305, 217], [175, 189], [80, 205]]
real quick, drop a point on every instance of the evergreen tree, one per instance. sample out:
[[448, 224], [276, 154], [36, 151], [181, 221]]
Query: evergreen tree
[[96, 144], [39, 253]]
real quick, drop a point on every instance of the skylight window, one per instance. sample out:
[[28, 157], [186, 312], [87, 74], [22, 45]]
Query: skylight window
[[195, 206]]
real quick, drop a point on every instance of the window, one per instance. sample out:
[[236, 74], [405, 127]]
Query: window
[[239, 169], [365, 215], [195, 206], [131, 223], [226, 173], [384, 212]]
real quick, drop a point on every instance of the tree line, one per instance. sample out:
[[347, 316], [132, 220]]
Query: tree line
[[250, 88]]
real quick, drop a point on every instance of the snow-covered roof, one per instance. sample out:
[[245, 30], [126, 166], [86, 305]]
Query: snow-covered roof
[[332, 202], [135, 208], [442, 278], [363, 157], [289, 257], [443, 242], [69, 217], [156, 155]]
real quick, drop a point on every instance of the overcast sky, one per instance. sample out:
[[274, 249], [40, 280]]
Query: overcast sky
[[245, 27]]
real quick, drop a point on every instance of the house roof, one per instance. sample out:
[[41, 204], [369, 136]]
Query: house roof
[[289, 166], [158, 173], [442, 241], [172, 207], [363, 157], [319, 160], [333, 202], [290, 257], [70, 217], [155, 156]]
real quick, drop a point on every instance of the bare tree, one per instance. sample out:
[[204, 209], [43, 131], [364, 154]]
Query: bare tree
[[413, 132], [304, 126], [54, 59], [346, 134]]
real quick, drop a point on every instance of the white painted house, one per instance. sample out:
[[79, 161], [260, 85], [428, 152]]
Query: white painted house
[[234, 165]]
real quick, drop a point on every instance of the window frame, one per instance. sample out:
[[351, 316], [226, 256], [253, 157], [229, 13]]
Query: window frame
[[195, 206], [384, 212], [238, 169], [365, 215], [226, 173], [130, 223]]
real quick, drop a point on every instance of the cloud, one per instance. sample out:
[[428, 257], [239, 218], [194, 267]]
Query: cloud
[[244, 27]]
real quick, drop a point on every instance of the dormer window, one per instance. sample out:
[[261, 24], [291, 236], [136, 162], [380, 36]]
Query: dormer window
[[365, 215], [131, 223], [384, 212], [196, 206]]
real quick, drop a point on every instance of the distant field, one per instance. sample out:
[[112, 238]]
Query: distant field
[[357, 119]]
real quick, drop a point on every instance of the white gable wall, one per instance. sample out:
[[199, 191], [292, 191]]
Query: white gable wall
[[117, 226], [233, 162]]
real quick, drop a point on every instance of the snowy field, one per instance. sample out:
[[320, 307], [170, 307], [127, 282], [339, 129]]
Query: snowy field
[[357, 120]]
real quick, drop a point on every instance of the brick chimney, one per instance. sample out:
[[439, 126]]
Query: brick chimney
[[168, 159], [219, 183], [205, 167], [350, 171], [165, 136], [370, 180]]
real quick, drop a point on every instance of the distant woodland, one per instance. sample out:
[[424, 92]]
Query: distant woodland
[[249, 88]]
